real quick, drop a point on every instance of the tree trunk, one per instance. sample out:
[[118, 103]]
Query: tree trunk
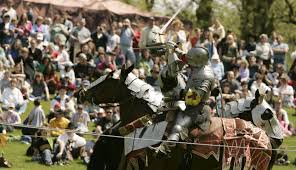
[[255, 18], [204, 13]]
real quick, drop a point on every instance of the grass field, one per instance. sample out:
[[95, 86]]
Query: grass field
[[15, 151]]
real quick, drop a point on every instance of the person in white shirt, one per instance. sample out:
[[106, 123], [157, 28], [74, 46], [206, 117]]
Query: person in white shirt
[[69, 142], [10, 11], [264, 50], [286, 91], [68, 72], [13, 95], [218, 28], [11, 117], [63, 58], [80, 119], [258, 84], [149, 34]]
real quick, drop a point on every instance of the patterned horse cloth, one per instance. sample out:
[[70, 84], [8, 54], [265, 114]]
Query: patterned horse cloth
[[239, 140]]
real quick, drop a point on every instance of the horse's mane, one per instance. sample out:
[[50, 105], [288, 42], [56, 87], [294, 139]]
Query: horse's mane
[[142, 90]]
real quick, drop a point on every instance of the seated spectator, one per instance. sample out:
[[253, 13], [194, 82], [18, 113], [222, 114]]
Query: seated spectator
[[119, 57], [39, 87], [286, 91], [217, 67], [258, 84], [253, 66], [244, 72], [109, 63], [80, 119], [5, 81], [63, 57], [146, 62], [108, 119], [51, 78], [59, 122], [68, 72], [14, 51], [233, 83], [41, 148], [68, 84], [62, 98], [69, 146], [83, 69], [35, 52], [283, 118], [11, 117], [245, 92], [13, 96], [36, 117], [152, 80], [274, 77], [292, 75], [226, 93]]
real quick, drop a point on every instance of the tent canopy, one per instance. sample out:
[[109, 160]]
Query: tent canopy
[[113, 6]]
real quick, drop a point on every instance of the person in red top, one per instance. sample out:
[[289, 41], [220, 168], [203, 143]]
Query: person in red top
[[195, 40], [108, 63]]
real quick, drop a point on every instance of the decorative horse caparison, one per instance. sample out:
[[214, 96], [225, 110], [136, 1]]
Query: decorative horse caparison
[[229, 143]]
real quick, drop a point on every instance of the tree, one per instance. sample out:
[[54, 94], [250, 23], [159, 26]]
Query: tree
[[256, 17], [204, 13]]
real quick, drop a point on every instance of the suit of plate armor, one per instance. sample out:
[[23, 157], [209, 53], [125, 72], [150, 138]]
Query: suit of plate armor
[[197, 90]]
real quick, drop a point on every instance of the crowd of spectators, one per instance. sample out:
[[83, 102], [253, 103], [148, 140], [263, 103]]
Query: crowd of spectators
[[48, 58]]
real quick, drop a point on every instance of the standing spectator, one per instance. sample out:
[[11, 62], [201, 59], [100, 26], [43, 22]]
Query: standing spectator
[[178, 34], [218, 28], [217, 67], [80, 119], [100, 38], [230, 53], [126, 41], [113, 40], [80, 35], [66, 20], [10, 10], [264, 50], [149, 34], [280, 50], [13, 96]]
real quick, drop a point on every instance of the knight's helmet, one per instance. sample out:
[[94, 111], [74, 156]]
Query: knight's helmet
[[197, 56]]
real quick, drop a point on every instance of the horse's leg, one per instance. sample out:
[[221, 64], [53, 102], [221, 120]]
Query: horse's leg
[[97, 159], [275, 143]]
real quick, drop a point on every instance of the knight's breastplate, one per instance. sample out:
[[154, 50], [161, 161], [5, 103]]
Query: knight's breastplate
[[201, 79], [272, 126]]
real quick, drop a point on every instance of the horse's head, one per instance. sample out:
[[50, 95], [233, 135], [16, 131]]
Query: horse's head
[[109, 88], [260, 106]]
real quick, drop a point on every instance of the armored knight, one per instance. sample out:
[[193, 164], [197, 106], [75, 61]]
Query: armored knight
[[196, 91]]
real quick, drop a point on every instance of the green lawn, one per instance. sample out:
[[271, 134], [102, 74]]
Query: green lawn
[[15, 151]]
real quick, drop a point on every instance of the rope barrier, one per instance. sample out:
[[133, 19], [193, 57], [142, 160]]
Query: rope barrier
[[143, 139]]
